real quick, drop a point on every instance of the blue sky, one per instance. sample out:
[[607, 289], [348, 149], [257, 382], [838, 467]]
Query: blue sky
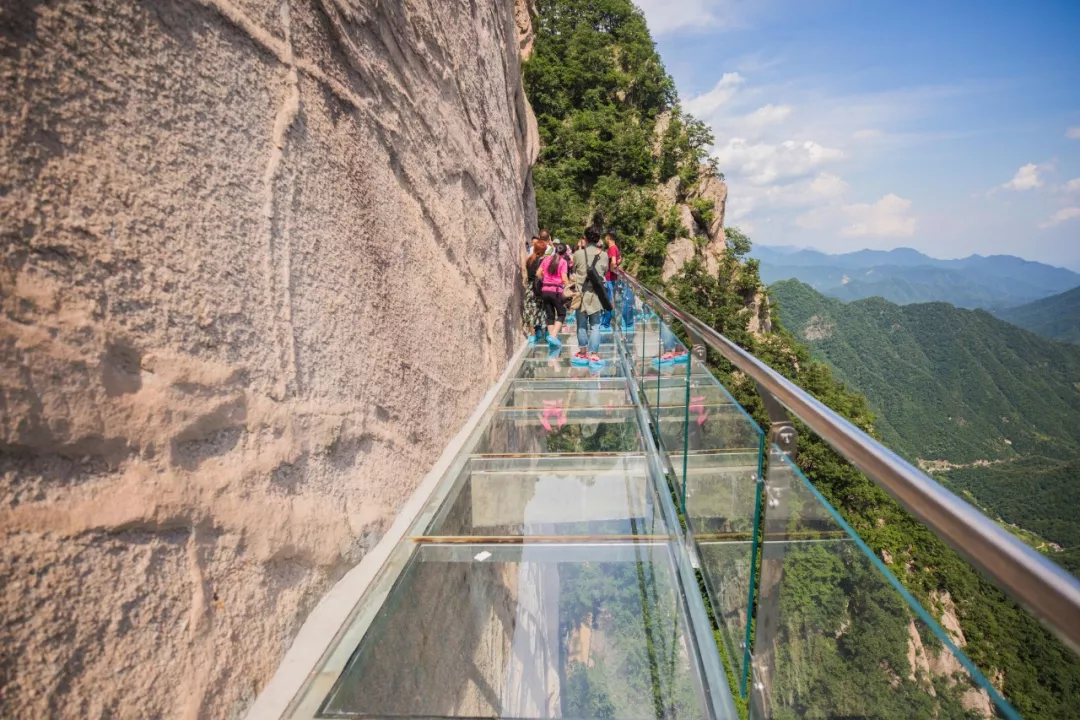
[[950, 127]]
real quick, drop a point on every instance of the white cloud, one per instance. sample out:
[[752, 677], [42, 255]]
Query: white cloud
[[667, 17], [1026, 178], [888, 217], [707, 104], [1061, 216], [824, 188], [1073, 186], [768, 115], [1073, 133], [764, 163]]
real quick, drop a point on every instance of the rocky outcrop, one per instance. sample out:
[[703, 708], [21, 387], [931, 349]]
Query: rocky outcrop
[[759, 322], [679, 252], [918, 661], [524, 14], [945, 664], [712, 190], [259, 262]]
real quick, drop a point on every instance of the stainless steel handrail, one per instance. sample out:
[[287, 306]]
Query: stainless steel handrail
[[1048, 591]]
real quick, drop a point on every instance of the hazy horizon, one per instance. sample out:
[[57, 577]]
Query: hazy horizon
[[930, 255]]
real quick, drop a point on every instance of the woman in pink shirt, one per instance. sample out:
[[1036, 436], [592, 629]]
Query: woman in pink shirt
[[553, 280]]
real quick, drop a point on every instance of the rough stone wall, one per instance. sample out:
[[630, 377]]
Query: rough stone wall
[[258, 262]]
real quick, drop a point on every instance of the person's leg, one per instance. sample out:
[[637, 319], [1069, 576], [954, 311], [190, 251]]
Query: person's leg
[[594, 334], [605, 316], [582, 329], [560, 313], [551, 304]]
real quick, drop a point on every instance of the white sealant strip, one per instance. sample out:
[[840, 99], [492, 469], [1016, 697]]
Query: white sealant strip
[[323, 623]]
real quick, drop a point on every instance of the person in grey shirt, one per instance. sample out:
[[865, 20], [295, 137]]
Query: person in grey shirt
[[588, 316]]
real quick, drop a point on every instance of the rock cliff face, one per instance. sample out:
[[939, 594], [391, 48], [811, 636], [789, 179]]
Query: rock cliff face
[[258, 262]]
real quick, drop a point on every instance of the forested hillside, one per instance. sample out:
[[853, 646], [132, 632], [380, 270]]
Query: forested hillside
[[945, 383], [954, 387], [1056, 317], [617, 150]]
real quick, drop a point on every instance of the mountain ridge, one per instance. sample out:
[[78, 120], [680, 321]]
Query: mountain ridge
[[905, 276]]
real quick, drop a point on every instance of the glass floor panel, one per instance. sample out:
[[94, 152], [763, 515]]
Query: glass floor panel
[[543, 352], [533, 631], [672, 389], [561, 367], [541, 394], [551, 496], [573, 430], [649, 367], [702, 427]]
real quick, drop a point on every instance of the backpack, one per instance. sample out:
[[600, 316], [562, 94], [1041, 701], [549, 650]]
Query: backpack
[[537, 283], [597, 282]]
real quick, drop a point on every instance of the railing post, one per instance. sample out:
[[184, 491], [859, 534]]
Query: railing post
[[782, 441]]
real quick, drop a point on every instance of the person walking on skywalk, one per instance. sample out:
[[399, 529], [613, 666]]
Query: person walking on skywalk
[[552, 275], [588, 316]]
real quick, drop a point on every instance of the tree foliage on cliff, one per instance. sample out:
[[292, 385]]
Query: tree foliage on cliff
[[597, 87]]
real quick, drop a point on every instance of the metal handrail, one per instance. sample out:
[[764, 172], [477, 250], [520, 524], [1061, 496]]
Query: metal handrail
[[1048, 591]]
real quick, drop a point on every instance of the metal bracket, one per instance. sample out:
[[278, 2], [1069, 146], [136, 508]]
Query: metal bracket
[[781, 430]]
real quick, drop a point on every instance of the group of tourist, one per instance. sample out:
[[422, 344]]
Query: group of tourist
[[557, 280]]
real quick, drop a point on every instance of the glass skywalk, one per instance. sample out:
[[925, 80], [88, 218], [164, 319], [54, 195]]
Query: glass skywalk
[[603, 543]]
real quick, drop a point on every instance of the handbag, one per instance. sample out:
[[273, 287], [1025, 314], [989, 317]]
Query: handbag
[[599, 287], [573, 295]]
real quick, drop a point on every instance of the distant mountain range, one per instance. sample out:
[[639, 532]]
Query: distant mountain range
[[906, 276], [964, 392], [1057, 316]]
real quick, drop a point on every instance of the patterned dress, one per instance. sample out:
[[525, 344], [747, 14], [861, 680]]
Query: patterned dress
[[532, 314]]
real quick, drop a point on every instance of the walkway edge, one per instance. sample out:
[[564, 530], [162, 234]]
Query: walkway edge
[[322, 624]]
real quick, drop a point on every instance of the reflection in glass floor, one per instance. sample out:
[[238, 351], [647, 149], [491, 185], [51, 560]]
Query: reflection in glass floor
[[561, 429], [534, 631], [552, 496], [546, 577], [542, 394]]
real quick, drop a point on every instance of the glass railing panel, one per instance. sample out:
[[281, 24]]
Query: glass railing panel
[[552, 496], [723, 509], [713, 430], [836, 634], [526, 631], [544, 394], [561, 366], [573, 430], [715, 451]]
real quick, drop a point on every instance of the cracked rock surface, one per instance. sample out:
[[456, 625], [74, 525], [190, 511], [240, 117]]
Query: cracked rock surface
[[258, 263]]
